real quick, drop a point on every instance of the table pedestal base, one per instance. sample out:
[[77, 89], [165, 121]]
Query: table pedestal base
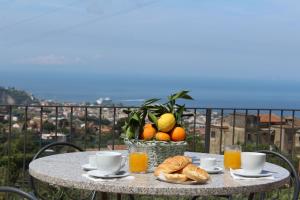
[[105, 196]]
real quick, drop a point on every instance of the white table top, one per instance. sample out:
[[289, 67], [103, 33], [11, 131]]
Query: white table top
[[65, 170]]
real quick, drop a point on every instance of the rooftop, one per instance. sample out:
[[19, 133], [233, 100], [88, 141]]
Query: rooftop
[[266, 118]]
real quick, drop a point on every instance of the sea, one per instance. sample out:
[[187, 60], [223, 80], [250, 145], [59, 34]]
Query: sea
[[131, 89]]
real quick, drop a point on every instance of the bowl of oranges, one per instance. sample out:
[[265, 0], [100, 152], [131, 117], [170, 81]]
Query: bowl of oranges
[[158, 128]]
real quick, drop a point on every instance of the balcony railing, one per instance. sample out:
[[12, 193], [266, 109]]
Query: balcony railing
[[26, 128]]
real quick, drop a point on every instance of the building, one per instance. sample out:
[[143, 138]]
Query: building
[[50, 137], [267, 129], [234, 130]]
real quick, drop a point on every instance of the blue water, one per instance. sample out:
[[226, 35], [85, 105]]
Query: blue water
[[131, 89]]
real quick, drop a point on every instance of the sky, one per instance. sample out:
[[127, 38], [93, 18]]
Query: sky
[[257, 39]]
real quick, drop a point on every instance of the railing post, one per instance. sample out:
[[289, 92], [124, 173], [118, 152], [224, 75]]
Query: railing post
[[85, 126], [221, 131], [246, 128], [114, 129], [281, 126], [41, 126], [9, 143], [207, 130], [194, 130], [100, 128], [24, 131], [56, 123], [233, 126], [294, 134], [257, 128], [71, 125]]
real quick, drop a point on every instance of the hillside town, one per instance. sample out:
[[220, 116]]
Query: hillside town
[[58, 122]]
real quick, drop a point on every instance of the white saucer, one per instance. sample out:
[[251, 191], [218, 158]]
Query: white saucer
[[88, 167], [241, 172], [213, 171], [100, 174]]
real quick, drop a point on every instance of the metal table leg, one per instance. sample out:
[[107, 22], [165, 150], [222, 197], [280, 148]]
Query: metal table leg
[[131, 197], [102, 196], [119, 197], [262, 196], [251, 196]]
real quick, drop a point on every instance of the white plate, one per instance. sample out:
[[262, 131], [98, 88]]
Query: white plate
[[100, 174], [213, 171], [161, 177], [241, 172], [88, 167]]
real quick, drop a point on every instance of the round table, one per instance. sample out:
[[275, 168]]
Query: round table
[[65, 170]]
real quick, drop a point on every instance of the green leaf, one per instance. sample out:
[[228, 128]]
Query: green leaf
[[129, 133], [181, 95], [151, 101], [186, 96], [178, 113], [127, 111], [136, 117], [152, 118], [123, 136], [170, 108], [137, 133], [124, 127]]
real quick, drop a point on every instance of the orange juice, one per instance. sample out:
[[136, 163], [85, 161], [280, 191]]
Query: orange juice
[[138, 162], [232, 159]]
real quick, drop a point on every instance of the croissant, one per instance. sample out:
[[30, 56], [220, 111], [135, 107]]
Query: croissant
[[172, 164], [176, 178], [181, 161], [195, 173]]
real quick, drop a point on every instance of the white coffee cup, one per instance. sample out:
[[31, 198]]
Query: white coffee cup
[[92, 161], [208, 163], [109, 162], [253, 162]]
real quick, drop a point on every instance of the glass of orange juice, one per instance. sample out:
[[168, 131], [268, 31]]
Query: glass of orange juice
[[232, 157], [138, 160]]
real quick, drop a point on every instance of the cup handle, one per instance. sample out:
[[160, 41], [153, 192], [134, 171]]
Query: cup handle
[[124, 160]]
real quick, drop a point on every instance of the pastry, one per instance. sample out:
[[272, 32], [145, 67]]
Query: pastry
[[172, 164], [195, 173], [176, 178]]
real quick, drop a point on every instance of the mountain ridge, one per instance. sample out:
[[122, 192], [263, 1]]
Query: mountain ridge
[[11, 95]]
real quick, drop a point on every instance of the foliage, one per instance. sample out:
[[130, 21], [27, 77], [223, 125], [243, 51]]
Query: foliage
[[48, 126], [95, 120], [137, 117]]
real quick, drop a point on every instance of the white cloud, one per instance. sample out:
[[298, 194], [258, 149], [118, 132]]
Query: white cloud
[[50, 59]]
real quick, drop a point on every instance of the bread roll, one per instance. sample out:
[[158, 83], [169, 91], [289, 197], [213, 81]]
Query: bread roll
[[163, 169], [172, 164], [176, 178], [195, 173], [181, 161]]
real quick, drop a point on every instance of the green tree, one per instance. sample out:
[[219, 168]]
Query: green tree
[[48, 126]]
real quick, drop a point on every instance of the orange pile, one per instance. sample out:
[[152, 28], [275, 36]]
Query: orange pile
[[167, 130]]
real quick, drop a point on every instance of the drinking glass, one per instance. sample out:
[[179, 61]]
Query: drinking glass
[[232, 157], [138, 160]]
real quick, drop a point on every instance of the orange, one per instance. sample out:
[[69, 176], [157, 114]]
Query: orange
[[149, 132], [147, 125], [161, 136], [178, 134]]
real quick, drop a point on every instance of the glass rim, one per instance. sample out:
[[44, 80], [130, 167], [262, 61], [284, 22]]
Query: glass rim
[[233, 147], [138, 152]]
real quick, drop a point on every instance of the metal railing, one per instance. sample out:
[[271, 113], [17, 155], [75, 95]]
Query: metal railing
[[95, 127]]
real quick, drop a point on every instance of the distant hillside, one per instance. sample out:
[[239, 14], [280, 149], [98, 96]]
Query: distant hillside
[[14, 96]]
